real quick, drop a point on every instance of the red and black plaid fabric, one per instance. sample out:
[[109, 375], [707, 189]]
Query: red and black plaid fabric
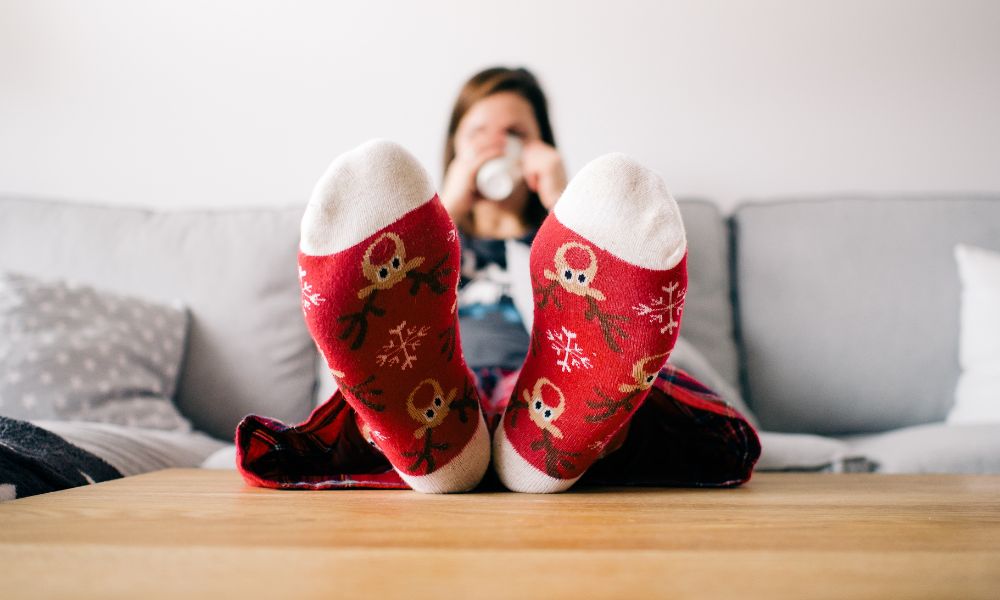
[[682, 435]]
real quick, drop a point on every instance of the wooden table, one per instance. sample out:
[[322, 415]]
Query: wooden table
[[191, 533]]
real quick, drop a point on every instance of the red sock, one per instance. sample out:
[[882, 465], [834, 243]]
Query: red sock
[[609, 269], [379, 266]]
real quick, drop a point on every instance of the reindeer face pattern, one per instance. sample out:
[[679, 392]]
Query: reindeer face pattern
[[576, 269], [384, 264], [644, 372], [366, 433], [386, 274], [579, 279], [434, 412], [542, 413], [643, 375]]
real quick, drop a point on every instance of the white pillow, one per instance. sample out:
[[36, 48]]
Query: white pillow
[[977, 396]]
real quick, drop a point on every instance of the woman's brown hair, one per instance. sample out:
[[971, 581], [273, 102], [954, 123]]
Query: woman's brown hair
[[492, 81]]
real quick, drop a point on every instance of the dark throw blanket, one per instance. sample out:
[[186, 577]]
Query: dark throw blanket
[[35, 461]]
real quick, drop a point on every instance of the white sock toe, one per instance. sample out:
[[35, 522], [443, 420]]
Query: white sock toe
[[624, 208], [361, 192]]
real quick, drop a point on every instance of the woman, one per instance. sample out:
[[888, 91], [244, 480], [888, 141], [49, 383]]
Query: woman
[[678, 434], [492, 105]]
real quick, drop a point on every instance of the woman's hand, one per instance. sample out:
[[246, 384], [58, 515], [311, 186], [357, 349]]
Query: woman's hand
[[458, 191], [544, 172]]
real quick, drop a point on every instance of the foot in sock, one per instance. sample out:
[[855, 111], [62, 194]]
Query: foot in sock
[[379, 266], [609, 270]]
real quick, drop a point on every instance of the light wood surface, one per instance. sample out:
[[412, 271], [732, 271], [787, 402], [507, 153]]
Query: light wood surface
[[193, 534]]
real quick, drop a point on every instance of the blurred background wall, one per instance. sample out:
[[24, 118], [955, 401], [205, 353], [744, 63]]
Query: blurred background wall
[[222, 103]]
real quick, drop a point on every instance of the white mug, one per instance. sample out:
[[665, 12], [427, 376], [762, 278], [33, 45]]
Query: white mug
[[497, 177]]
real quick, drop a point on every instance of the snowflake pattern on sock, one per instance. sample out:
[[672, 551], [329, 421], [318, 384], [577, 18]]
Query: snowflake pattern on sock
[[402, 350], [309, 297], [659, 307], [569, 353]]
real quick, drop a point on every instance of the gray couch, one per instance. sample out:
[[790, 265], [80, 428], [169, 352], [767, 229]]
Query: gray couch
[[835, 319], [838, 319]]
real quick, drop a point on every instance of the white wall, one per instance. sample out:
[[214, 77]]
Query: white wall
[[212, 103]]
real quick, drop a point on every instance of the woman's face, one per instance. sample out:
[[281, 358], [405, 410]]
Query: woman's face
[[487, 122]]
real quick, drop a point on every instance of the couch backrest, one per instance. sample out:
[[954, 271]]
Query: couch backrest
[[847, 312], [248, 349], [848, 308]]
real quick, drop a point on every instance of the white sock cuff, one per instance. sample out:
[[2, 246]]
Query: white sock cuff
[[362, 191], [625, 209]]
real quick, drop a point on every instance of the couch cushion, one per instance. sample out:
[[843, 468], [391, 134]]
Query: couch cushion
[[807, 452], [135, 450], [848, 308], [707, 322], [934, 448], [248, 349], [74, 353]]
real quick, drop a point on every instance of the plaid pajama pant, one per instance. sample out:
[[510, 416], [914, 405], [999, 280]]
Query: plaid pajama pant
[[683, 434]]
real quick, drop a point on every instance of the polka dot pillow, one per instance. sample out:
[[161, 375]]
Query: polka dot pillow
[[73, 353]]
